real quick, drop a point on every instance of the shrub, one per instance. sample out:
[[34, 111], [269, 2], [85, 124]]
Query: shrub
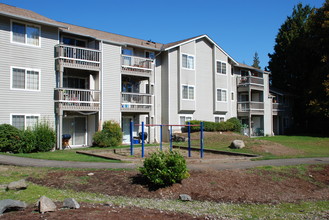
[[28, 142], [45, 137], [237, 124], [9, 138], [213, 126], [110, 136], [164, 169]]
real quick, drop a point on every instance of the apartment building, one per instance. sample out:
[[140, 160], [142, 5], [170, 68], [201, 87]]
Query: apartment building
[[77, 77]]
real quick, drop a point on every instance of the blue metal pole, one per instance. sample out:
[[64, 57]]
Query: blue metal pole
[[131, 138], [189, 139], [142, 139], [201, 139], [160, 137], [170, 138]]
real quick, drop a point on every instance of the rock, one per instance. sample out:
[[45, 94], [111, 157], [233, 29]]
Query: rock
[[17, 185], [46, 205], [71, 203], [90, 174], [11, 205], [185, 197], [237, 144]]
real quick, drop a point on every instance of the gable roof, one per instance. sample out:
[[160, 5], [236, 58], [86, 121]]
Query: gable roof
[[27, 15], [186, 41]]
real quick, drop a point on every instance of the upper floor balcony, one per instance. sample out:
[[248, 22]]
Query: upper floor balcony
[[134, 65], [250, 80], [77, 57], [136, 102], [77, 99], [254, 107]]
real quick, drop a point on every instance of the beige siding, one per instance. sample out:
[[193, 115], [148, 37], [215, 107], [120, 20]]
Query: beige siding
[[111, 82], [23, 56]]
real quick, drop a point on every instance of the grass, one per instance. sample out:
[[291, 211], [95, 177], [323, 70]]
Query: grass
[[301, 210]]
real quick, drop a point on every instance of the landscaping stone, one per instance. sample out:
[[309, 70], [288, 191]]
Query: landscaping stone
[[185, 197], [46, 205], [71, 203], [17, 185], [237, 144], [11, 205]]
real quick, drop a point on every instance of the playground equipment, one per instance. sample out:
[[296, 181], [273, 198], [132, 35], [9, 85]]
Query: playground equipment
[[143, 136]]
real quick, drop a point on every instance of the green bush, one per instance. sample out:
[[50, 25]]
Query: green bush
[[164, 169], [110, 136], [28, 142], [236, 123], [45, 137], [10, 138], [213, 126]]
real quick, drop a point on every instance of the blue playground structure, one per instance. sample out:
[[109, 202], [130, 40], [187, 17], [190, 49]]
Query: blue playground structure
[[188, 125]]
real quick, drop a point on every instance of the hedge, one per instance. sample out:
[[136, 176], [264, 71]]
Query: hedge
[[233, 124]]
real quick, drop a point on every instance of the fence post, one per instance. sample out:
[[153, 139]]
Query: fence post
[[170, 138], [142, 139], [201, 139], [189, 139], [131, 138], [160, 137]]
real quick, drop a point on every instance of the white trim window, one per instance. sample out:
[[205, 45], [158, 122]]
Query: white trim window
[[25, 79], [24, 121], [24, 33], [219, 118], [221, 67], [188, 92], [185, 118], [188, 61], [221, 95]]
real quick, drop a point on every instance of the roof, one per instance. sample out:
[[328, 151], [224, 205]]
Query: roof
[[182, 42], [28, 15], [242, 65]]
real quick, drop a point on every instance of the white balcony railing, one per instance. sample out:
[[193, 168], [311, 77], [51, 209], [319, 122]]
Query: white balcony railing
[[77, 99], [136, 102], [244, 80], [250, 106], [78, 57], [139, 65]]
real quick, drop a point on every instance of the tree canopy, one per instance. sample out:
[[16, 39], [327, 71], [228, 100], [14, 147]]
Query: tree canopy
[[300, 65]]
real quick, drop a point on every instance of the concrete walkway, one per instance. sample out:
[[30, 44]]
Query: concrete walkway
[[218, 165]]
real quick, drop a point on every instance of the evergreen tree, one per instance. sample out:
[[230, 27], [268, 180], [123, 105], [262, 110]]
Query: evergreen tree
[[256, 61]]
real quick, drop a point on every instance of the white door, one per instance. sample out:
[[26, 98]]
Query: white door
[[76, 127], [126, 129]]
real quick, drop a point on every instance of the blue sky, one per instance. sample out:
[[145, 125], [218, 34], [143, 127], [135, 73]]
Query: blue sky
[[240, 27]]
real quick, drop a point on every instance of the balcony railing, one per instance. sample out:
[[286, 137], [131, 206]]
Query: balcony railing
[[245, 80], [250, 106], [77, 99], [136, 102], [78, 57], [136, 65]]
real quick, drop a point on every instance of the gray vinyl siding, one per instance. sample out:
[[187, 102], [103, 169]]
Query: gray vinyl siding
[[23, 56], [268, 118], [221, 82], [164, 90], [173, 86], [111, 82], [204, 77]]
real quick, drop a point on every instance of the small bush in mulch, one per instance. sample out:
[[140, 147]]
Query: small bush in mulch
[[164, 168]]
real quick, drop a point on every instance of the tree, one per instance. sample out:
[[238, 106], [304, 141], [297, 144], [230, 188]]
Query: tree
[[299, 65], [256, 61]]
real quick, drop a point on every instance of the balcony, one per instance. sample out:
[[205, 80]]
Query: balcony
[[77, 99], [250, 80], [77, 57], [136, 102], [139, 66], [254, 107]]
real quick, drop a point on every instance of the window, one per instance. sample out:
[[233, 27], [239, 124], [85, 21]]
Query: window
[[74, 42], [187, 61], [219, 118], [188, 92], [184, 118], [25, 79], [221, 67], [221, 95], [24, 121], [149, 54], [25, 34]]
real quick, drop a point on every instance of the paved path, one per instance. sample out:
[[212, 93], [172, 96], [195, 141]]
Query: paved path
[[219, 165]]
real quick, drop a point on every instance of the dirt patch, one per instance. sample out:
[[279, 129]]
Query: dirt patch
[[92, 211], [262, 146], [239, 186]]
